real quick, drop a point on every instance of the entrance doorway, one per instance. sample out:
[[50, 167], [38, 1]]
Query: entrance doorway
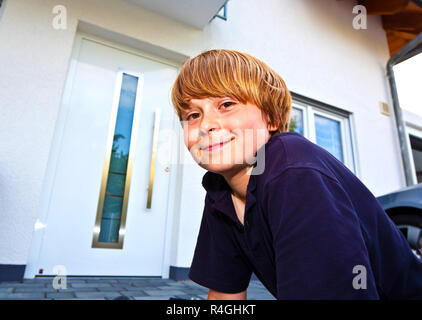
[[108, 203]]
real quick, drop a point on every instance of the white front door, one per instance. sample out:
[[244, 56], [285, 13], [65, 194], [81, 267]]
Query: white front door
[[108, 203]]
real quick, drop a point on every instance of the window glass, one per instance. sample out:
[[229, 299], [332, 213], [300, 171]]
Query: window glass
[[115, 189], [328, 135], [296, 121]]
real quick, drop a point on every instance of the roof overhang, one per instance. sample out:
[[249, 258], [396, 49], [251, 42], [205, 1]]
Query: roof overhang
[[401, 20], [195, 13]]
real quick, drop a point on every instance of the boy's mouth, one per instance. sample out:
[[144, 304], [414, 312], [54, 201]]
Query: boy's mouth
[[216, 145]]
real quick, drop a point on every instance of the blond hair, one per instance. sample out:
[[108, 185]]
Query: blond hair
[[229, 73]]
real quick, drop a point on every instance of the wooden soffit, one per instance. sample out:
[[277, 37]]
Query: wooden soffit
[[401, 20]]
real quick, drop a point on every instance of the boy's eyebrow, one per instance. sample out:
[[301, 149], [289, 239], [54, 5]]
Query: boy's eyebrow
[[216, 100], [186, 110], [193, 105]]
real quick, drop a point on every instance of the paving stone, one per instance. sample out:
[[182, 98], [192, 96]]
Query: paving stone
[[158, 280], [111, 280], [100, 298], [186, 297], [98, 282], [196, 291], [32, 285], [260, 292], [90, 285], [146, 284], [89, 295], [34, 290], [75, 281], [133, 294], [129, 288], [89, 289], [192, 284], [167, 287], [260, 297], [255, 285], [163, 293], [134, 289], [152, 298], [60, 295], [150, 282], [175, 284], [112, 289], [109, 288], [146, 287], [23, 296]]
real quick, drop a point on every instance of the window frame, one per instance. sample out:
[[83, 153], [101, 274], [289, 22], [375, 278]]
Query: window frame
[[310, 108], [111, 131], [416, 132]]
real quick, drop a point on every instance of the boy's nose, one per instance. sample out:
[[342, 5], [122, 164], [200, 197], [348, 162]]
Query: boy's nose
[[209, 124]]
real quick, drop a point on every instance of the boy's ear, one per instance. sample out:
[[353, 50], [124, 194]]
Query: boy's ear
[[273, 127]]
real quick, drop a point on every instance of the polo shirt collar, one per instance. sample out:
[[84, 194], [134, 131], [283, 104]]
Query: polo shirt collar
[[220, 195]]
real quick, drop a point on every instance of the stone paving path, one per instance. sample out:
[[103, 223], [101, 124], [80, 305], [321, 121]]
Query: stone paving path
[[108, 288]]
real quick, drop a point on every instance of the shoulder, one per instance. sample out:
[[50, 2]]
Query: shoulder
[[290, 150]]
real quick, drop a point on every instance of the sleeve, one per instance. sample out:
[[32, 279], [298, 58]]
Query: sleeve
[[218, 263], [320, 252]]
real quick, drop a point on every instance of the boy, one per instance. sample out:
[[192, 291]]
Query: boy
[[277, 204]]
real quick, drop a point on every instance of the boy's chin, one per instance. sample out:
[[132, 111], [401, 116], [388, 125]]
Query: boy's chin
[[222, 168]]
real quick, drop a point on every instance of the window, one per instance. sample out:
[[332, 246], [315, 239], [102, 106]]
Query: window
[[112, 205], [326, 126], [328, 135]]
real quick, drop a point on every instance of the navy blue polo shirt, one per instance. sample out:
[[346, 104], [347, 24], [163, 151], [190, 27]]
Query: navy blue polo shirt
[[311, 230]]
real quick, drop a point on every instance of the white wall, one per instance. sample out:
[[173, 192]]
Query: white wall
[[312, 44]]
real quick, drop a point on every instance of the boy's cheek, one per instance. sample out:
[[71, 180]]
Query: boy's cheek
[[191, 137]]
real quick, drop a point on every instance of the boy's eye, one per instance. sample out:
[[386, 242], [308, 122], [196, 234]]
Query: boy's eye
[[224, 105], [227, 104], [189, 116]]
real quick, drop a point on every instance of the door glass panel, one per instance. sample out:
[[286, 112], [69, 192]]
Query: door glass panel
[[328, 135], [296, 121], [115, 189]]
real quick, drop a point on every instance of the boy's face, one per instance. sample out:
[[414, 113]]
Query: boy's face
[[235, 131]]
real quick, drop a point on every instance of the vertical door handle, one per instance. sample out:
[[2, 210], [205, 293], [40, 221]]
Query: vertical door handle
[[153, 156]]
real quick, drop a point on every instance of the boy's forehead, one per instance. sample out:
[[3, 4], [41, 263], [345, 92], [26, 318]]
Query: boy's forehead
[[194, 102]]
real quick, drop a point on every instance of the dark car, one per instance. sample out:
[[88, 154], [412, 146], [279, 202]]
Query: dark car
[[405, 208]]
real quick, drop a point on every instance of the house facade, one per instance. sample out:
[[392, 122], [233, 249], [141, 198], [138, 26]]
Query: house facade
[[94, 177]]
